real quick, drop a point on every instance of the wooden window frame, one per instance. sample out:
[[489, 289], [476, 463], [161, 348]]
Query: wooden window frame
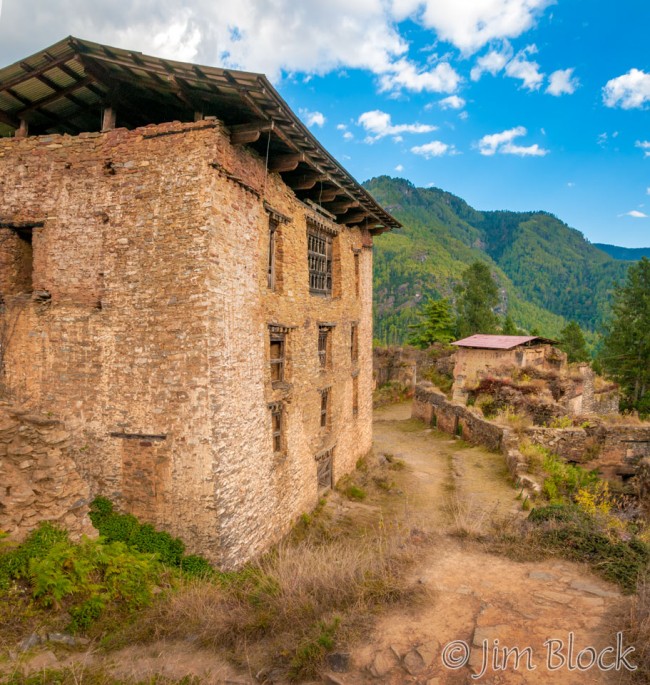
[[325, 469], [325, 408], [277, 427], [278, 364], [274, 225], [325, 346], [357, 272], [320, 251]]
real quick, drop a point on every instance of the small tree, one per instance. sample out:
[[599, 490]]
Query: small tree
[[626, 349], [436, 325], [508, 327], [573, 342], [478, 296]]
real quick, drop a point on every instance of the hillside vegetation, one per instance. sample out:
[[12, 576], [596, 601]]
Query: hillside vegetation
[[631, 254], [547, 272]]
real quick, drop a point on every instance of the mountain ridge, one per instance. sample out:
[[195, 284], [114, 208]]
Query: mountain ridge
[[547, 272]]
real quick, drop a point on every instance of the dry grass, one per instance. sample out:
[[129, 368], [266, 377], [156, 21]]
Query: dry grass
[[513, 420], [315, 592], [625, 419], [639, 630], [469, 519]]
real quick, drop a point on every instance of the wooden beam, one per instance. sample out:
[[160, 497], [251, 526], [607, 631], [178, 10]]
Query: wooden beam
[[353, 217], [342, 205], [55, 96], [321, 195], [289, 162], [240, 134], [32, 72], [8, 120], [304, 181]]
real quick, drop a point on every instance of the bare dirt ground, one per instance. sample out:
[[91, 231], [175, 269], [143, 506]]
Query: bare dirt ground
[[476, 603], [481, 601]]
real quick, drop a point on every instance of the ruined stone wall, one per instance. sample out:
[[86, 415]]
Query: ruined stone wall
[[152, 342], [615, 451], [39, 480], [432, 407]]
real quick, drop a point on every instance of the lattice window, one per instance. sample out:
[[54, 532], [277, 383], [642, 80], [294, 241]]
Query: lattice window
[[273, 233], [319, 254], [277, 426], [278, 351], [324, 466], [324, 346], [324, 407]]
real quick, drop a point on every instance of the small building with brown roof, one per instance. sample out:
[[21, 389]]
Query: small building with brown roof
[[186, 281], [481, 355]]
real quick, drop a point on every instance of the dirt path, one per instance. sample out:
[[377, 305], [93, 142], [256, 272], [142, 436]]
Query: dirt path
[[480, 601]]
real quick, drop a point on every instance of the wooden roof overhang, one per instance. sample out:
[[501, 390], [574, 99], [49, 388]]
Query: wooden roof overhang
[[70, 86]]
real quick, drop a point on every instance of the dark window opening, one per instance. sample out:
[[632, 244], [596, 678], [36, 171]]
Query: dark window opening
[[357, 274], [273, 232], [324, 407], [324, 463], [278, 341], [319, 254], [354, 342], [355, 395]]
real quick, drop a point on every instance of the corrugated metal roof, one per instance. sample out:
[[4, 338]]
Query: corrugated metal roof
[[64, 89], [500, 342]]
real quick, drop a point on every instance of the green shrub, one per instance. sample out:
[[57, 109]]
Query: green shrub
[[143, 537], [196, 566], [356, 493]]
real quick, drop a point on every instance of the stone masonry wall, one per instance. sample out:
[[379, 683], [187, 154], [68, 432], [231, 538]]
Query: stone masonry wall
[[39, 480], [614, 451], [147, 331]]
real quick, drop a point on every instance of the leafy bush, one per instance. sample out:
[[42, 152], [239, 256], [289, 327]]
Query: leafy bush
[[143, 537], [356, 493]]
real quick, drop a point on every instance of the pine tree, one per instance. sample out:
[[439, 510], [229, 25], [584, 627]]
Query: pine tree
[[508, 327], [478, 296], [626, 349], [436, 325], [573, 342]]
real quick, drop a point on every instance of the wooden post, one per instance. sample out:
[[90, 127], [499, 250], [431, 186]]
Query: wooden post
[[198, 116], [109, 119], [23, 130]]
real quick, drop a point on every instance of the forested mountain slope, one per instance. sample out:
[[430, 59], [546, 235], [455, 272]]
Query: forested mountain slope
[[631, 254], [547, 272]]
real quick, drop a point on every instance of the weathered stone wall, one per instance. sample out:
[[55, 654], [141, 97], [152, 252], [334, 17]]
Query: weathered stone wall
[[614, 451], [432, 407], [152, 339], [39, 480]]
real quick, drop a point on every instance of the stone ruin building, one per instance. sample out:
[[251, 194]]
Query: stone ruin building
[[572, 388], [186, 288]]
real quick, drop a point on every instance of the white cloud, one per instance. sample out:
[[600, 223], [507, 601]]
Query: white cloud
[[463, 115], [522, 68], [635, 214], [492, 63], [399, 168], [570, 184], [471, 24], [562, 82], [647, 190], [312, 118], [435, 148], [502, 143], [378, 124], [404, 74], [643, 145], [452, 102], [629, 91], [341, 127]]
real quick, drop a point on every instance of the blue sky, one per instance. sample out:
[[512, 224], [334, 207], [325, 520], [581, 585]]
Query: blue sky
[[510, 104]]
